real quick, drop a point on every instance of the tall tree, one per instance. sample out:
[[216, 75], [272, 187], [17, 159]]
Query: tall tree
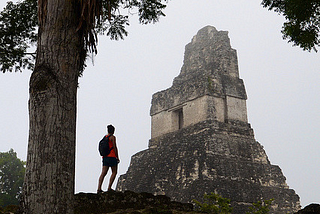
[[302, 24], [67, 31], [12, 171]]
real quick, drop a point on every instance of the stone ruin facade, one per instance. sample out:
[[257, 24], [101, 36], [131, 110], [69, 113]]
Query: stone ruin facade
[[201, 141]]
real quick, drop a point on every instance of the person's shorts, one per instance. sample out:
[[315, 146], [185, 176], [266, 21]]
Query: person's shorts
[[109, 161]]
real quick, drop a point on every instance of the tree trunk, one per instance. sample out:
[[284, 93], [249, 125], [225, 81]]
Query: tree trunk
[[50, 172]]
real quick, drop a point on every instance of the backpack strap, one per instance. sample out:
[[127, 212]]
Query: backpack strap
[[108, 137]]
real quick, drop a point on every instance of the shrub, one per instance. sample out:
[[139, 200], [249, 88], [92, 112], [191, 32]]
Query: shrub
[[261, 207], [214, 203]]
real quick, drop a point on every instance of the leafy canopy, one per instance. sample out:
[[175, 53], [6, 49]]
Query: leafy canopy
[[17, 33], [19, 21], [11, 178], [302, 24]]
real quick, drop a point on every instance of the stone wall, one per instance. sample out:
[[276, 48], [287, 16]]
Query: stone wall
[[224, 159], [208, 86]]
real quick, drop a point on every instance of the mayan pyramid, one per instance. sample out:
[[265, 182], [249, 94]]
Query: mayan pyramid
[[201, 141]]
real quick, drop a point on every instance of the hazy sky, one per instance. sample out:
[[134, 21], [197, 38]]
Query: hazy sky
[[282, 84]]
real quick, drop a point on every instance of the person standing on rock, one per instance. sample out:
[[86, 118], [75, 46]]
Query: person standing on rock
[[111, 160]]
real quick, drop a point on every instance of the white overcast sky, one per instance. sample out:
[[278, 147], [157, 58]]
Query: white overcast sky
[[282, 84]]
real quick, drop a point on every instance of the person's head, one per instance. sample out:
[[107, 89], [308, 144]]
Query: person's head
[[110, 129]]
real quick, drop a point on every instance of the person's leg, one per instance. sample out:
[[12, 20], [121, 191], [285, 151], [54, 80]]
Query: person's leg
[[101, 178], [114, 170]]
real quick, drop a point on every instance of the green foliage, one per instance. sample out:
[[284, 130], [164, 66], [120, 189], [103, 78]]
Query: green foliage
[[12, 171], [302, 24], [214, 203], [19, 21], [261, 207], [113, 23]]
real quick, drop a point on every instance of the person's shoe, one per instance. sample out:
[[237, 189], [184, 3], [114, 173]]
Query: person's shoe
[[100, 191]]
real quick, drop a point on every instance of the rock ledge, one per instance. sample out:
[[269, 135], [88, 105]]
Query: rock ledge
[[128, 202]]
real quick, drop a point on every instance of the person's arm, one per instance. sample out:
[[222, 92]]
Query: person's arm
[[114, 144]]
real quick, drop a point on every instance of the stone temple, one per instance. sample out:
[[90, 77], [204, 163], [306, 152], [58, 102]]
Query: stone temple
[[201, 141]]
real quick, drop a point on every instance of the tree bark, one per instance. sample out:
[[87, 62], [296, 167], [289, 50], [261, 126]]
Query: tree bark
[[50, 171]]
